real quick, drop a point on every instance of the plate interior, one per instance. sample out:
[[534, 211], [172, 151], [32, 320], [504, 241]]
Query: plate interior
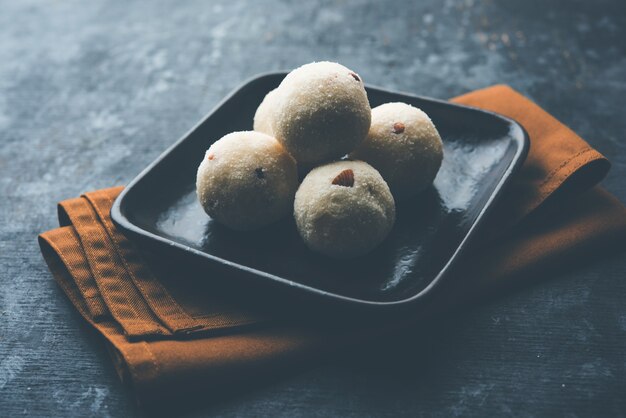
[[479, 149]]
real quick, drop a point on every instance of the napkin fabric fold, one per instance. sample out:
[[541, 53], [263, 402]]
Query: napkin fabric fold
[[170, 338]]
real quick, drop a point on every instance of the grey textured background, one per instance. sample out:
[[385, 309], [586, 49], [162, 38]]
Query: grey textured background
[[92, 91]]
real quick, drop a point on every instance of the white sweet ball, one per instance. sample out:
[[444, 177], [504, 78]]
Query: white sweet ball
[[264, 116], [322, 112], [404, 146], [344, 209], [247, 180]]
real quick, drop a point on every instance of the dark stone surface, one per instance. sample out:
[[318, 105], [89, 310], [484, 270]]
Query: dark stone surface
[[91, 92]]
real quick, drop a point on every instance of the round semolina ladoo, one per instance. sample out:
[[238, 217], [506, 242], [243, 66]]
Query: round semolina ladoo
[[322, 112], [344, 209], [247, 180], [264, 116], [404, 146]]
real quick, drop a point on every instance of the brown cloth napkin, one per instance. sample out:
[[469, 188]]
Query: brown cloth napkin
[[170, 338]]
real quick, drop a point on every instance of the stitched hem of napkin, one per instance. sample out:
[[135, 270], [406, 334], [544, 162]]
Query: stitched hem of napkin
[[138, 361], [155, 295], [570, 166], [130, 292], [120, 294]]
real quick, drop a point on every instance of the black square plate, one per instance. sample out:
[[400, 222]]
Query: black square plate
[[482, 150]]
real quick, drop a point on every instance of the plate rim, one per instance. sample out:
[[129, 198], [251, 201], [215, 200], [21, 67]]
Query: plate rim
[[127, 227]]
